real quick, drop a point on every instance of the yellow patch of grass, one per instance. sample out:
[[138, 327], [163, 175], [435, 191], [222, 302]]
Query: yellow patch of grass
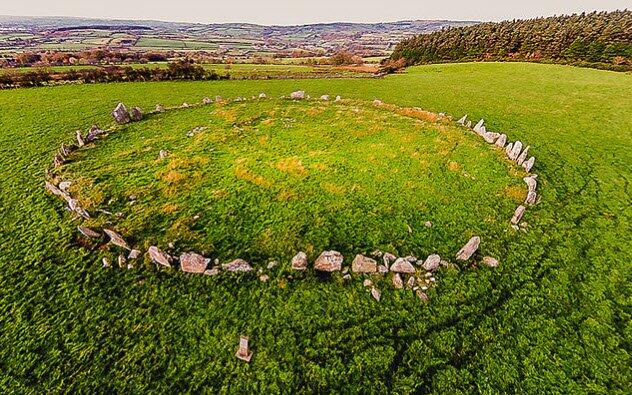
[[267, 122], [319, 166], [286, 194], [292, 165], [170, 208], [333, 188], [263, 140], [515, 192], [453, 166], [242, 172]]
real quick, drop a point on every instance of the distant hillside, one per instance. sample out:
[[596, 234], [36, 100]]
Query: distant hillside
[[229, 39], [597, 38]]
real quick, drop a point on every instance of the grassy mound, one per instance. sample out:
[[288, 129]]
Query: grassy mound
[[266, 179]]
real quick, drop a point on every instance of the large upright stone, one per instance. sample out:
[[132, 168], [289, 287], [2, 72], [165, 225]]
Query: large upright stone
[[468, 249], [508, 148], [80, 142], [363, 264], [523, 156], [515, 150], [116, 239], [432, 263], [518, 215], [159, 256], [120, 114], [136, 114], [478, 126], [528, 165], [299, 261], [532, 183], [298, 95], [402, 265], [191, 262], [501, 141], [463, 120], [329, 261]]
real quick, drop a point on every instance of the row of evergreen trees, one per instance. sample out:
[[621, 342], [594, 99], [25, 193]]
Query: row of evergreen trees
[[598, 38]]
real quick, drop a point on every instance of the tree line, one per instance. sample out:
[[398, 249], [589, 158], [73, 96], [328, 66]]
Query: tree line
[[178, 70], [597, 39]]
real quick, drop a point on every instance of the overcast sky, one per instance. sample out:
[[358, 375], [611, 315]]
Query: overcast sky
[[286, 12]]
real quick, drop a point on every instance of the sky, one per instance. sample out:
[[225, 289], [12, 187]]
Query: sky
[[288, 12]]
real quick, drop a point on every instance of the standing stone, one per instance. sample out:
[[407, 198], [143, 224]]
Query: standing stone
[[134, 254], [388, 258], [163, 154], [191, 262], [398, 283], [64, 185], [432, 263], [532, 183], [462, 120], [518, 215], [298, 95], [411, 282], [469, 124], [401, 265], [116, 239], [243, 352], [324, 98], [262, 95], [363, 264], [159, 108], [122, 262], [382, 269], [299, 262], [531, 198], [73, 204], [523, 156], [478, 126], [64, 149], [207, 100], [80, 142], [136, 114], [376, 294], [508, 149], [490, 137], [377, 102], [468, 249], [338, 98], [528, 165], [88, 232], [329, 261], [489, 261], [501, 141], [367, 283], [237, 265], [515, 150], [120, 114], [159, 256], [58, 160]]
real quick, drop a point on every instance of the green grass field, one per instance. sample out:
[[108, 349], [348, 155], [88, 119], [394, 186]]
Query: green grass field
[[553, 317]]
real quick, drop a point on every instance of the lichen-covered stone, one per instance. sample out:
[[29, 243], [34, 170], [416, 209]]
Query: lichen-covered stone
[[299, 261], [401, 265], [329, 261], [468, 249], [190, 262], [363, 264]]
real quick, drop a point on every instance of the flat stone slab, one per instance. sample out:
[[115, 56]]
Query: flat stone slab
[[329, 261], [191, 262]]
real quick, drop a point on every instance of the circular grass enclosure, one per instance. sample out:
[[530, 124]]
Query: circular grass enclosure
[[262, 180]]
